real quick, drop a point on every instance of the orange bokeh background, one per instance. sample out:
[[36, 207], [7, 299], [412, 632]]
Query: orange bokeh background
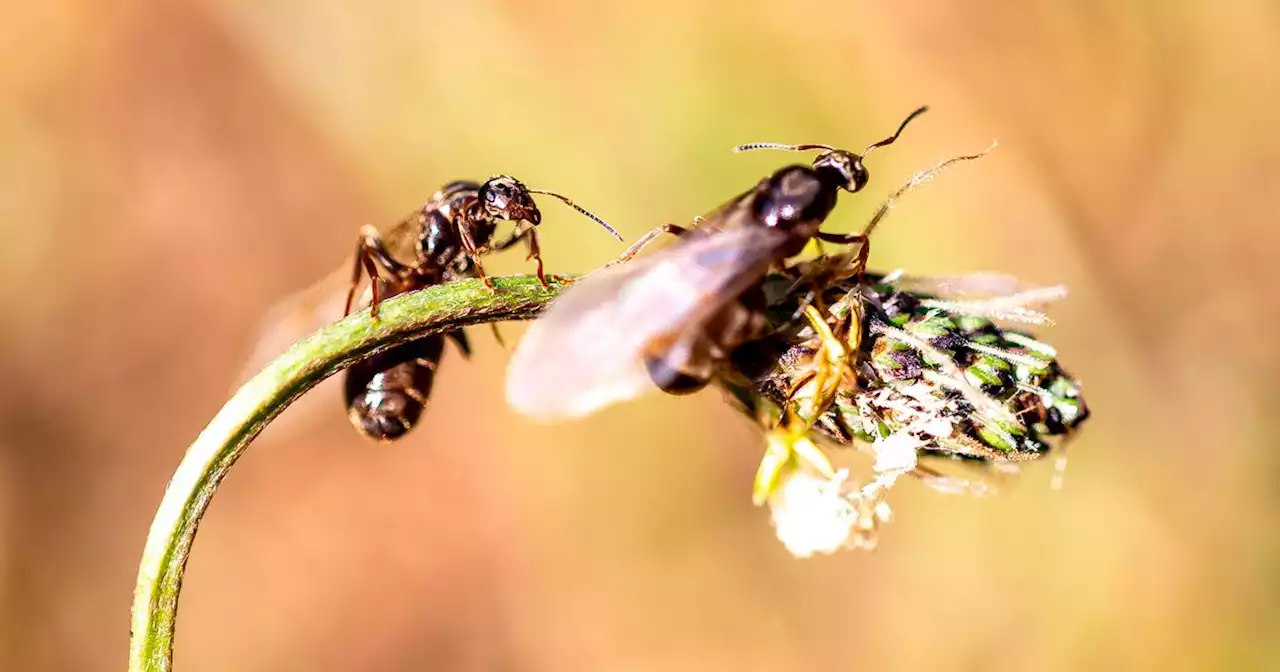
[[169, 170]]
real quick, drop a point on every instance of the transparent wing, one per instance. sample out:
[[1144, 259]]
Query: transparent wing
[[587, 351], [992, 295], [294, 317], [970, 285]]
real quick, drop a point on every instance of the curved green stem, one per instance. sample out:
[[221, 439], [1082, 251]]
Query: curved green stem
[[308, 362]]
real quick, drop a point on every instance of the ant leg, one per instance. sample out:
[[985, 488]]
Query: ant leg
[[535, 253], [516, 236], [841, 238], [355, 277], [497, 335], [375, 284], [535, 250], [817, 244], [861, 239], [644, 241], [469, 245], [459, 339], [370, 254]]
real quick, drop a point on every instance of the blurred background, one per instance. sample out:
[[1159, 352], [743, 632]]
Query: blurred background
[[170, 170]]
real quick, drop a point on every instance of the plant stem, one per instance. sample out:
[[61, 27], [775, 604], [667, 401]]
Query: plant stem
[[260, 400]]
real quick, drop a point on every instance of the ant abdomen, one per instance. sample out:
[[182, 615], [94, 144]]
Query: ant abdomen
[[386, 393]]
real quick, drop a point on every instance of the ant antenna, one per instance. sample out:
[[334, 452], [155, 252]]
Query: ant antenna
[[613, 232], [800, 148], [778, 145], [917, 180], [889, 140]]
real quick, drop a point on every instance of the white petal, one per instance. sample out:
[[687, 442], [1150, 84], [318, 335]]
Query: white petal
[[897, 453], [811, 514]]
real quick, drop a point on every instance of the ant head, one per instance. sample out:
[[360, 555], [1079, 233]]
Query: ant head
[[504, 198], [845, 167], [841, 167]]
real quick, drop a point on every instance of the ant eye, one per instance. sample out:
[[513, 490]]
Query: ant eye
[[496, 198], [860, 176]]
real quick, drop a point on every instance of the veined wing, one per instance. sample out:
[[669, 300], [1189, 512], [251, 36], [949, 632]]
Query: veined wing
[[995, 296], [968, 286], [294, 317], [587, 351]]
